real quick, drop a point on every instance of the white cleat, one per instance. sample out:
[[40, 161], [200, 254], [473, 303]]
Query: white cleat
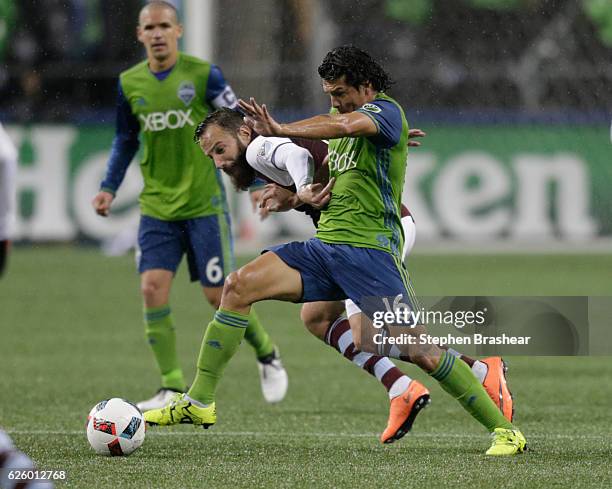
[[273, 377], [159, 400]]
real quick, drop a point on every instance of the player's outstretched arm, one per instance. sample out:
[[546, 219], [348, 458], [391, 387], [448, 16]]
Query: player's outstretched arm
[[324, 126]]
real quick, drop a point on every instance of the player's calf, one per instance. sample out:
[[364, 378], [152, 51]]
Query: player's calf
[[491, 372]]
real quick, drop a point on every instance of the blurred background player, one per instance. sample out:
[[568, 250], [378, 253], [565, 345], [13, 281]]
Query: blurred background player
[[183, 204], [8, 171]]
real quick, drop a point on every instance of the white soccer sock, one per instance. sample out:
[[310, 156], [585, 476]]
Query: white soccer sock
[[399, 386], [480, 370]]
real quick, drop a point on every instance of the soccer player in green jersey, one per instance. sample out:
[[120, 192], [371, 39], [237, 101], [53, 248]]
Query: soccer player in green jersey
[[356, 251], [183, 203]]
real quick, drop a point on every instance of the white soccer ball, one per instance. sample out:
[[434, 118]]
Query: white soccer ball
[[115, 427]]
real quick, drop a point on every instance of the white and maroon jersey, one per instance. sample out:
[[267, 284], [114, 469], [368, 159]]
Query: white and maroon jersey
[[8, 175], [290, 163], [283, 160]]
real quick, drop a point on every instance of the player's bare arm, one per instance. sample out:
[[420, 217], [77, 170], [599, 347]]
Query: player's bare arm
[[324, 126]]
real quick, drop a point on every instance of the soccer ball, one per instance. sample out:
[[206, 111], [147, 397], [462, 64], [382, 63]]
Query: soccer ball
[[115, 427]]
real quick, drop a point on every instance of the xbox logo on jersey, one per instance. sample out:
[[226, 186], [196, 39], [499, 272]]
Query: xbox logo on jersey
[[341, 162], [171, 119]]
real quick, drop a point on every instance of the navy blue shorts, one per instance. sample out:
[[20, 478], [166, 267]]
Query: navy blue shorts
[[207, 241], [338, 271]]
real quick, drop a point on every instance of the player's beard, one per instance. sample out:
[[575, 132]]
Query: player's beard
[[241, 173]]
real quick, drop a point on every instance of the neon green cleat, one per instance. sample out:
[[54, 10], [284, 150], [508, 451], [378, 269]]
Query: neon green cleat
[[182, 410], [507, 442]]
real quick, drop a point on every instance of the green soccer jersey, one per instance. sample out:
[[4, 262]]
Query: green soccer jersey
[[364, 210], [180, 182]]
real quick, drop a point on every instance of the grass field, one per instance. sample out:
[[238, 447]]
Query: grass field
[[72, 334]]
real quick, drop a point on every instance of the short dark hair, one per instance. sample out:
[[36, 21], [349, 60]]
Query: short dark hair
[[229, 119], [357, 66], [162, 4]]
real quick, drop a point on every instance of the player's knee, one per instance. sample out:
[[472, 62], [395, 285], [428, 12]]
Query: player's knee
[[236, 288], [232, 284], [151, 291]]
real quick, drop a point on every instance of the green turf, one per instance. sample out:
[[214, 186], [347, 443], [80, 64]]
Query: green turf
[[72, 335]]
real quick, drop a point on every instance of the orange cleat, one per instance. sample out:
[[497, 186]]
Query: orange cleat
[[403, 411], [496, 386]]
